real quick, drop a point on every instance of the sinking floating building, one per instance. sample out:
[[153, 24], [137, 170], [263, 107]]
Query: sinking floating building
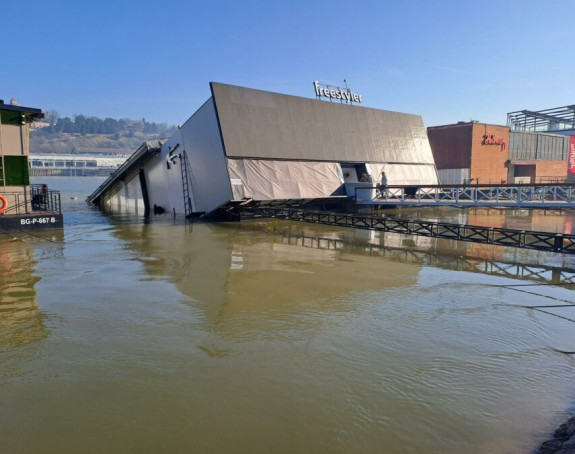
[[251, 144]]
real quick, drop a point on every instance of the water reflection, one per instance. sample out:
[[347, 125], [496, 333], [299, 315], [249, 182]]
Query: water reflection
[[552, 220], [197, 254], [20, 319], [241, 268], [369, 336]]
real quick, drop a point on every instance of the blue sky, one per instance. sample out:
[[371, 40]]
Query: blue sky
[[445, 60]]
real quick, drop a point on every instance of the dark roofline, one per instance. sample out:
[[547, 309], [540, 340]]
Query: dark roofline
[[532, 119], [335, 103], [30, 112], [132, 164], [466, 123]]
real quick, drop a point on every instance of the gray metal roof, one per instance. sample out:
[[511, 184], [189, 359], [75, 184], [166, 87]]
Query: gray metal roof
[[260, 124]]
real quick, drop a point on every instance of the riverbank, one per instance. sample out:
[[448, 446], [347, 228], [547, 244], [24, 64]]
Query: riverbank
[[563, 441]]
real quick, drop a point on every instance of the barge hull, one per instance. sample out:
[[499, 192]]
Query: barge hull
[[31, 222]]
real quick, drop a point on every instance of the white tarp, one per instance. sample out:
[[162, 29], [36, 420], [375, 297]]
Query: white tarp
[[405, 174], [268, 180]]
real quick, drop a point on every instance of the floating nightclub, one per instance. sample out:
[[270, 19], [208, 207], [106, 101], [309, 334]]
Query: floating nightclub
[[251, 144]]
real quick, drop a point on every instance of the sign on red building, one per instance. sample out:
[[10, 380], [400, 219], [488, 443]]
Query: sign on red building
[[571, 163]]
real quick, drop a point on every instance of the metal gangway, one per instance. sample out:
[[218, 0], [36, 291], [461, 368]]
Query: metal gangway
[[503, 195], [527, 239]]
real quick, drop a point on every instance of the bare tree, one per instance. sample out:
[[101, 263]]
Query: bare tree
[[51, 116]]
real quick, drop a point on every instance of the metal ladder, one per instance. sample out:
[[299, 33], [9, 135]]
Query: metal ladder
[[186, 184]]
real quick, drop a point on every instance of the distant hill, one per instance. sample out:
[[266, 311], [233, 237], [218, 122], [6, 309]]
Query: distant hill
[[66, 135]]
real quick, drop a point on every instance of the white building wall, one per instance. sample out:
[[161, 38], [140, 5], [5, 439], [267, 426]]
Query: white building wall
[[165, 177], [156, 175], [129, 198], [210, 181], [405, 174]]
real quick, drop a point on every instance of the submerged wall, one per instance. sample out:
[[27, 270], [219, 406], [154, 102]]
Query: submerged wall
[[128, 198]]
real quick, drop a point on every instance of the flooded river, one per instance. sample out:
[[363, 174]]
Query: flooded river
[[119, 336]]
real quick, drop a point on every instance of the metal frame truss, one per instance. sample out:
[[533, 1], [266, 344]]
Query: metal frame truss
[[541, 241]]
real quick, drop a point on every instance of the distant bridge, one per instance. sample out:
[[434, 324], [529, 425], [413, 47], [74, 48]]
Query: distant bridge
[[76, 164], [512, 196]]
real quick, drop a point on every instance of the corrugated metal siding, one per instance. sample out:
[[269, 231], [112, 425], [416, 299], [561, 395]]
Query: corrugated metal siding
[[259, 124], [526, 146]]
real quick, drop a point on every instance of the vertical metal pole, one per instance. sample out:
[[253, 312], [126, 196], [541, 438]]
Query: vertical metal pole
[[2, 155], [23, 153], [558, 243]]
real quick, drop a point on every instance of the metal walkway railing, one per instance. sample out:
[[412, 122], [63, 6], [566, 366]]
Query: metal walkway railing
[[517, 196]]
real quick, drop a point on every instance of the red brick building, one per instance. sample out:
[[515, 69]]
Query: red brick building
[[479, 153]]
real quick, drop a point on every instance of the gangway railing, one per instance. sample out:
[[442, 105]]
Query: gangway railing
[[542, 241], [534, 196]]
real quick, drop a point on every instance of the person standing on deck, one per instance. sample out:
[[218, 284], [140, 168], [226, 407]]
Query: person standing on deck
[[382, 184]]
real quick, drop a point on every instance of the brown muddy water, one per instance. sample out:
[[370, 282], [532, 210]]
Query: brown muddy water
[[119, 336]]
